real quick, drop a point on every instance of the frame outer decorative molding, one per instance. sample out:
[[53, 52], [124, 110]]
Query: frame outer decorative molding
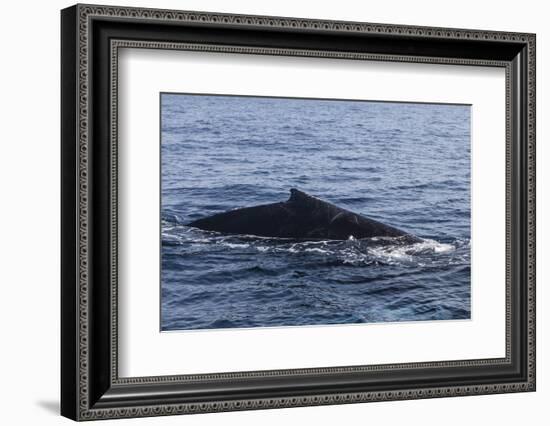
[[84, 14], [83, 218], [531, 214]]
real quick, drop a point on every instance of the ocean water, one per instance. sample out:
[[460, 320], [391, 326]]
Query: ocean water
[[404, 164]]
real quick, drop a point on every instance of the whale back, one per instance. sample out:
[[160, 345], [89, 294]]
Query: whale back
[[302, 216]]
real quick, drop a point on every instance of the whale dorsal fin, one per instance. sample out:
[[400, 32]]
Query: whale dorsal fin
[[300, 197]]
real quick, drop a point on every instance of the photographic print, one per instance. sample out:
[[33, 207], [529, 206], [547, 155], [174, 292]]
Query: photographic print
[[306, 212]]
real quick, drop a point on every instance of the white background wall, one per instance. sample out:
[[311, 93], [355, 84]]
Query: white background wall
[[29, 225]]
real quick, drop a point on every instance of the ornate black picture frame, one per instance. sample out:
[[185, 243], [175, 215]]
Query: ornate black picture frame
[[90, 38]]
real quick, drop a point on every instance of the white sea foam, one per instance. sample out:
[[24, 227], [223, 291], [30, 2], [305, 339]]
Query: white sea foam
[[316, 250], [235, 245], [432, 245], [409, 253], [379, 250]]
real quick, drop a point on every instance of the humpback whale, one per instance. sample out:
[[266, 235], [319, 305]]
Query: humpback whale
[[302, 216]]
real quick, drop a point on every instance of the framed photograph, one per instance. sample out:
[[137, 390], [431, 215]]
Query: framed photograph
[[263, 212]]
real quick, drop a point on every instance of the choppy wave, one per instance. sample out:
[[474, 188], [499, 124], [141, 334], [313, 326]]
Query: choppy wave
[[377, 250], [304, 282]]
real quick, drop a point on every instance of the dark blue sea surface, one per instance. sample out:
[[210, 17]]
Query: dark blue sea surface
[[404, 164]]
